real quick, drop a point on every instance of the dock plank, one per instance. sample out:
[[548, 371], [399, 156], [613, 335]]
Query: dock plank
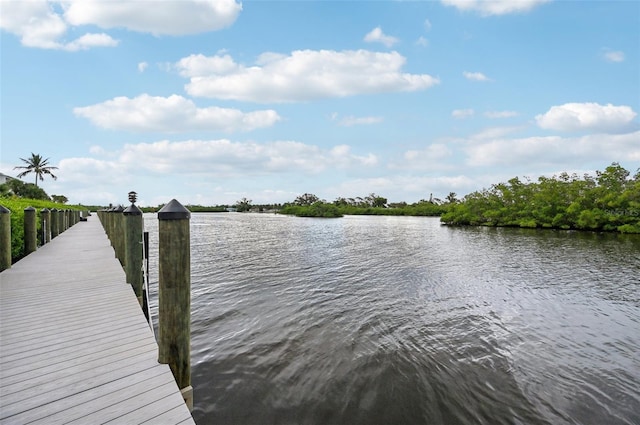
[[74, 344]]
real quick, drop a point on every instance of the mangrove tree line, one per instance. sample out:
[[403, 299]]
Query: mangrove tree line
[[608, 201]]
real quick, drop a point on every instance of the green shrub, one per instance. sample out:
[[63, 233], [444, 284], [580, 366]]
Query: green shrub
[[17, 206]]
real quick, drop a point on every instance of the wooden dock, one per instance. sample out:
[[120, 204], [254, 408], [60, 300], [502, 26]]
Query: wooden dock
[[74, 344]]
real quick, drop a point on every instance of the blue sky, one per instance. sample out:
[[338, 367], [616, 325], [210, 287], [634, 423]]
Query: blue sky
[[212, 101]]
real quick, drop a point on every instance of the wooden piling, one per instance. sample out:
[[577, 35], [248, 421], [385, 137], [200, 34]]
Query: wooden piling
[[45, 219], [5, 238], [30, 231], [118, 234], [174, 298], [108, 225], [133, 228], [55, 223], [60, 219]]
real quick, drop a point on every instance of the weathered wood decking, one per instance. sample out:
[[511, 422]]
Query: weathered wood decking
[[74, 344]]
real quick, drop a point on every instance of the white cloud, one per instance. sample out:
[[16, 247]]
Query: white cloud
[[377, 36], [421, 41], [587, 116], [201, 66], [500, 114], [493, 133], [142, 66], [34, 21], [494, 7], [475, 76], [462, 113], [529, 152], [171, 114], [88, 41], [159, 17], [163, 169], [39, 23], [342, 157], [427, 25], [78, 169], [350, 121], [225, 158], [431, 158], [301, 76], [431, 152], [613, 55]]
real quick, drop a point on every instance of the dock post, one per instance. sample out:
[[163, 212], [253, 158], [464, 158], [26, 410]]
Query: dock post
[[108, 215], [111, 219], [30, 231], [118, 234], [54, 223], [174, 296], [45, 219], [133, 246], [5, 238], [61, 228]]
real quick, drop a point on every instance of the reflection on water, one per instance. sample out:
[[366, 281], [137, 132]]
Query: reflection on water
[[380, 320]]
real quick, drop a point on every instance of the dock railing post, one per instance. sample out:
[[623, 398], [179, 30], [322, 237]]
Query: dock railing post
[[61, 228], [109, 227], [174, 295], [118, 234], [54, 223], [45, 219], [133, 227], [5, 238], [30, 231]]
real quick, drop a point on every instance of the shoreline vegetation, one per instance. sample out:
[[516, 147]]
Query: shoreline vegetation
[[606, 202], [16, 206]]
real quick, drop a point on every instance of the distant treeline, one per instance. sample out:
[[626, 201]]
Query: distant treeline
[[608, 201], [330, 210], [192, 208]]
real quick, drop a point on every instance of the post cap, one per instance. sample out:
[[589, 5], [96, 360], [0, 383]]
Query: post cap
[[4, 210], [174, 210], [29, 209], [132, 210], [119, 209], [44, 210]]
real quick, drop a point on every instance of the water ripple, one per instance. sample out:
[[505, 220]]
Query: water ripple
[[380, 320]]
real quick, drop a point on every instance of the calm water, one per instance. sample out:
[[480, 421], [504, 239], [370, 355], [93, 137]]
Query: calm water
[[399, 320]]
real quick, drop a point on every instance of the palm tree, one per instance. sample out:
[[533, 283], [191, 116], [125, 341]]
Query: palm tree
[[36, 165]]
